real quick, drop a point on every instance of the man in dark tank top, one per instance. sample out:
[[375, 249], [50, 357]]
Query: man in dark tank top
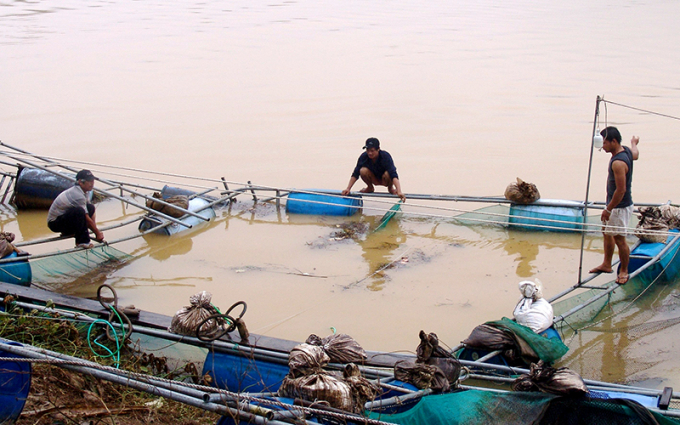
[[619, 208]]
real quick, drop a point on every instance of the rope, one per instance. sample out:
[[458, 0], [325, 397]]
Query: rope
[[641, 110], [115, 355], [150, 380]]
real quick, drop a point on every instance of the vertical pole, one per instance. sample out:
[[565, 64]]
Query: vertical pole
[[278, 199], [590, 167], [4, 176], [252, 191], [9, 185]]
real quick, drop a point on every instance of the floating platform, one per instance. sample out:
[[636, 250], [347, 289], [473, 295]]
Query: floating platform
[[327, 203]]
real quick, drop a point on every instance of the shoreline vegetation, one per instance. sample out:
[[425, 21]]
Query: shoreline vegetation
[[61, 396]]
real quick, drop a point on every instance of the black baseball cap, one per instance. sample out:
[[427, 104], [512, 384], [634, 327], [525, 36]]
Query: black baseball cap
[[85, 175], [372, 142]]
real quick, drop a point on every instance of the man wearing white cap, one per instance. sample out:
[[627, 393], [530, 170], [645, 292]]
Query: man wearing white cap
[[71, 214]]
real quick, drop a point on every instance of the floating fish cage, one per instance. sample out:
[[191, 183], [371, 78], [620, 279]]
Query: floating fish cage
[[548, 214], [327, 203]]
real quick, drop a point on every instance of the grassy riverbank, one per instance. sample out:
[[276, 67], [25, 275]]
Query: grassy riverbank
[[60, 396]]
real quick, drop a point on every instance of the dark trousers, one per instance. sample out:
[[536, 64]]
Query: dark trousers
[[73, 222]]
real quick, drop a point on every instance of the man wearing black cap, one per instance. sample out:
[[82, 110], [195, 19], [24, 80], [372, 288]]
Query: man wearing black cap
[[375, 167], [71, 214]]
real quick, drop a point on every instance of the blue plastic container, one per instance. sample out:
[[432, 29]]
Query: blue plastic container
[[669, 263], [15, 383], [570, 216], [237, 373], [329, 203], [16, 272], [196, 204]]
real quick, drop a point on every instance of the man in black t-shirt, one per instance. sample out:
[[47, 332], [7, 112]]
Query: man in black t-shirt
[[376, 168]]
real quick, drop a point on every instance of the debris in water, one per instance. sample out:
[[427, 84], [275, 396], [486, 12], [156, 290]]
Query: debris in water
[[353, 230]]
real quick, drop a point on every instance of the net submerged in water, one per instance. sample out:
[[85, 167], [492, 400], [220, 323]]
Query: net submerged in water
[[59, 270]]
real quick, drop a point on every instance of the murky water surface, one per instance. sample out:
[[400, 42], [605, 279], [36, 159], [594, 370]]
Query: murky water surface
[[466, 96]]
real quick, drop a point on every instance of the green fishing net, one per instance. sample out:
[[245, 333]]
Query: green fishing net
[[62, 269], [488, 407], [547, 349]]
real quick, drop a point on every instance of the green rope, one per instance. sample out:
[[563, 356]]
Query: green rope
[[111, 354]]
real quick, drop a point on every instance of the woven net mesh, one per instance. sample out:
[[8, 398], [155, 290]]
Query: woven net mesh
[[59, 270], [486, 407]]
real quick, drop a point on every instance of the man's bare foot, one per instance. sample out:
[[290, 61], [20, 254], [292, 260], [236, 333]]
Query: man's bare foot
[[367, 190], [622, 278], [392, 190], [601, 269]]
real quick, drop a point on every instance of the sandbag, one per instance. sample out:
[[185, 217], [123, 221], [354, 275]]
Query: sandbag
[[361, 389], [187, 319], [537, 314], [652, 226], [562, 381], [6, 247], [522, 192], [671, 215], [341, 348], [319, 387], [490, 338], [305, 359], [429, 352], [421, 375], [179, 200]]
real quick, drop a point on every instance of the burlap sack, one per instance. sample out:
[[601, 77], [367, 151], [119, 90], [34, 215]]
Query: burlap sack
[[6, 246], [179, 200], [341, 348], [319, 387], [562, 381], [652, 227], [186, 320], [429, 352], [522, 192], [671, 215]]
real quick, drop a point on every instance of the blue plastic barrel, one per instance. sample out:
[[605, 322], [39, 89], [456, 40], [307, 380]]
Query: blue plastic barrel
[[15, 382], [328, 203], [569, 216], [16, 272], [36, 188], [237, 373], [669, 263]]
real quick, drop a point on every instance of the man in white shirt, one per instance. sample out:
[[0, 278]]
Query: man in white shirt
[[71, 214]]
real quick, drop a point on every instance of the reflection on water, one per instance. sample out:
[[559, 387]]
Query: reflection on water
[[379, 249], [525, 253]]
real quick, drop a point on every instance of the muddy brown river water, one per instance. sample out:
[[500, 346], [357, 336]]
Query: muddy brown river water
[[466, 96]]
